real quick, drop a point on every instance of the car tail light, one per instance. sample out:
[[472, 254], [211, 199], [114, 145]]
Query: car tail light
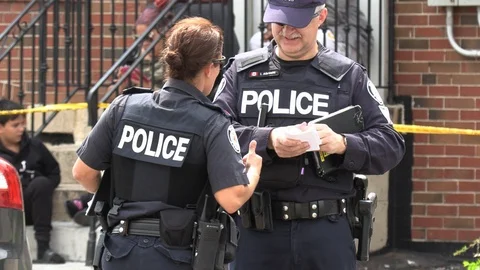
[[10, 189]]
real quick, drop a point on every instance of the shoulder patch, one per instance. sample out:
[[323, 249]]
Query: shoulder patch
[[373, 92], [251, 58], [232, 138], [136, 90], [333, 64], [220, 88]]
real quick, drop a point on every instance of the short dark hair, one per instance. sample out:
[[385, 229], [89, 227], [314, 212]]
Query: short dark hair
[[7, 105], [191, 44]]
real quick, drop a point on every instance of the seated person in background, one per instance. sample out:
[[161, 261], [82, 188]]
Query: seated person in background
[[39, 173]]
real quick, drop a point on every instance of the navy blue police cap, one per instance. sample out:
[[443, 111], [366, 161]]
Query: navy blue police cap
[[296, 13]]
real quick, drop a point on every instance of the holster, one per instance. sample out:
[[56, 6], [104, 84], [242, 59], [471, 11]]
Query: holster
[[256, 213], [360, 214], [228, 241], [97, 257]]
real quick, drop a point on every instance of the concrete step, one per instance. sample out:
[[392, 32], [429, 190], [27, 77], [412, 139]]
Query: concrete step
[[67, 238], [63, 193], [65, 155]]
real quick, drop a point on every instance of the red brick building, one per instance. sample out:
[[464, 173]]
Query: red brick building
[[445, 91]]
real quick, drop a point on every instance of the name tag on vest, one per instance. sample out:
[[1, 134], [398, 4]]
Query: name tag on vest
[[149, 144]]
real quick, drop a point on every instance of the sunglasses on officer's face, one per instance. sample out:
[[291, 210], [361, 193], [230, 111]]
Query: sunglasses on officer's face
[[220, 61]]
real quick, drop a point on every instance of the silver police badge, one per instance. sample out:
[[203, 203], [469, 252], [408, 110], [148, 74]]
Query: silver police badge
[[232, 138]]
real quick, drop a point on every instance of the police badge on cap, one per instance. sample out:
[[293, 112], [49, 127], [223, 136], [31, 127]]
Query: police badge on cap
[[296, 13]]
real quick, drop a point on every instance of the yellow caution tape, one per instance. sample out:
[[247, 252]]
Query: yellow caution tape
[[398, 127], [54, 107], [434, 130]]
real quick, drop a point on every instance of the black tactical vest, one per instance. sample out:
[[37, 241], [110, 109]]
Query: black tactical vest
[[158, 152], [293, 98]]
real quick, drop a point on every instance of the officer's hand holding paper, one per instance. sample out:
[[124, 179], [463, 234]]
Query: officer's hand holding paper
[[305, 133], [285, 146]]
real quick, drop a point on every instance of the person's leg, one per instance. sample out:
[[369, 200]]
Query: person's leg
[[264, 250], [324, 244], [39, 196]]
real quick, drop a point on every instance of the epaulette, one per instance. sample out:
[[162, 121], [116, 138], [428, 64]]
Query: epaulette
[[333, 64], [251, 58], [136, 90]]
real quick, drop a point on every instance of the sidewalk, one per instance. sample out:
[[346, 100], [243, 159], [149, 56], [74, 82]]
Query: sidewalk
[[406, 260]]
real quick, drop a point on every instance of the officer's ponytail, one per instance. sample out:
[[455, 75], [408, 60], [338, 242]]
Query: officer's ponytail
[[191, 44]]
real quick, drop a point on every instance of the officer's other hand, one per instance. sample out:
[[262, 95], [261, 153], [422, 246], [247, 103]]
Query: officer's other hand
[[285, 147], [252, 161], [332, 142]]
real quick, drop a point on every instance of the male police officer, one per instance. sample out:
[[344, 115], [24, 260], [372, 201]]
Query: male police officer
[[300, 80]]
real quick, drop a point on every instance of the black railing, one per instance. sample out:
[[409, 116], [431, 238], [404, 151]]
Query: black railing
[[219, 11], [53, 52]]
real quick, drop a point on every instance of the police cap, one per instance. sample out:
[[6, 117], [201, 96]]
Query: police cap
[[296, 13]]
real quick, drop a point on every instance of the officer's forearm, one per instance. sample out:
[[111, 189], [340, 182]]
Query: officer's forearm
[[232, 198], [87, 177]]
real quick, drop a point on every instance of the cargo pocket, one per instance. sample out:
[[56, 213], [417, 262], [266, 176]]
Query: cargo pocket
[[117, 247], [177, 255]]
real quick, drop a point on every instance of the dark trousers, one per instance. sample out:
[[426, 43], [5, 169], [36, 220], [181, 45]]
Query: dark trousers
[[38, 204], [142, 252], [322, 244]]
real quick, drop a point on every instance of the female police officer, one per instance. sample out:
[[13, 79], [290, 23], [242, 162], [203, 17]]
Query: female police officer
[[163, 149]]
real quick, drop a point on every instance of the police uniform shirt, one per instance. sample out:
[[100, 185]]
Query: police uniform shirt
[[296, 94], [219, 144]]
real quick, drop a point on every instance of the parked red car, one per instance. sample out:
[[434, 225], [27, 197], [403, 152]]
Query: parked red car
[[14, 252]]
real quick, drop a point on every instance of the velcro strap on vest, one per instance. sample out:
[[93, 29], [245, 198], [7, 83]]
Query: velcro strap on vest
[[308, 210]]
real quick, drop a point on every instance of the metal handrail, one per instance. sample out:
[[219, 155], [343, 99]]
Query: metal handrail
[[24, 29], [92, 96]]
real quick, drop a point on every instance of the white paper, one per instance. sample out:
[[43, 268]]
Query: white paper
[[309, 135]]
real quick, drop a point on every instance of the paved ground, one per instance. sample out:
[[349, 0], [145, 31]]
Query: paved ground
[[406, 260], [398, 260]]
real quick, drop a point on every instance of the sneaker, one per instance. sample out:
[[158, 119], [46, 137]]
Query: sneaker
[[73, 206], [81, 219], [50, 257]]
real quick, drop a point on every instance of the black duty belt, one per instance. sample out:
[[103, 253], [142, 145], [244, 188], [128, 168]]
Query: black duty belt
[[308, 210], [141, 226]]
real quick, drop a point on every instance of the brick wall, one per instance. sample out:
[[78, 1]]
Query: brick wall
[[113, 46], [445, 87]]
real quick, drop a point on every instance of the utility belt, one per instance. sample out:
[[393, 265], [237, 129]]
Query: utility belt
[[213, 240], [259, 212]]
